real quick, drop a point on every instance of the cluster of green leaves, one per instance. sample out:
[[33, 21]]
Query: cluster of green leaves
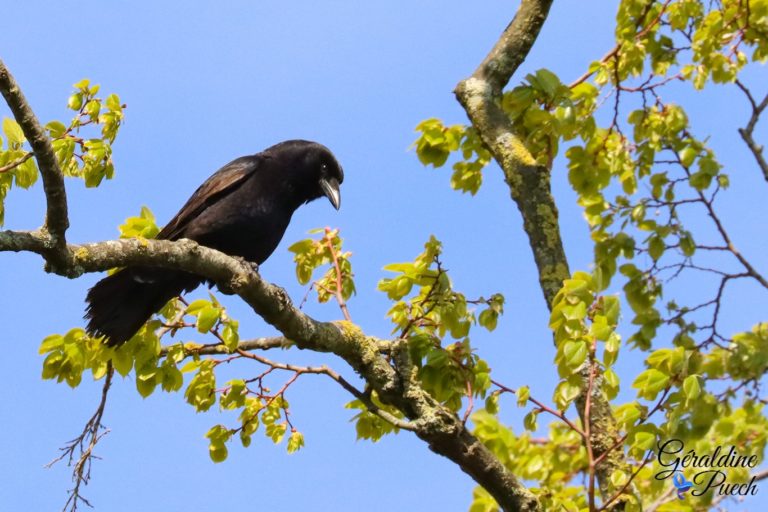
[[84, 147], [550, 462], [543, 112], [89, 158], [370, 425], [141, 226], [745, 359], [584, 324], [716, 35], [631, 187], [256, 408], [426, 311], [437, 142], [69, 356], [312, 253], [631, 176], [16, 165]]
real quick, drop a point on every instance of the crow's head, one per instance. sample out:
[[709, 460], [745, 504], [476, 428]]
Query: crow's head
[[311, 168]]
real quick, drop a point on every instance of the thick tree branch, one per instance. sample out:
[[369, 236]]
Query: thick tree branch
[[220, 348], [529, 185], [528, 182], [56, 219], [398, 386], [267, 343]]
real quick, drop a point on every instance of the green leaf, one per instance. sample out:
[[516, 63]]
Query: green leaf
[[75, 101], [612, 346], [275, 431], [650, 382], [113, 102], [548, 81], [644, 441], [575, 353], [172, 378], [26, 174], [656, 247], [146, 384], [488, 318], [529, 422], [122, 360], [55, 129], [13, 131], [51, 343], [692, 387], [196, 306], [565, 393], [618, 478], [523, 393], [231, 336], [492, 403], [687, 245], [217, 449], [207, 318], [295, 442], [611, 309]]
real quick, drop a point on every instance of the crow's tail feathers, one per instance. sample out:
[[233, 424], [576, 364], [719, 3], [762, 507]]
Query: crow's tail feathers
[[120, 304]]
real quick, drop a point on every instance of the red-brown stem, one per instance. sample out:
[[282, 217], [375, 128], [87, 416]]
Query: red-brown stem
[[543, 407], [338, 293]]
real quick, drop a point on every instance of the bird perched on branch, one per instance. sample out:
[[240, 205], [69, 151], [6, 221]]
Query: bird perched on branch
[[242, 210]]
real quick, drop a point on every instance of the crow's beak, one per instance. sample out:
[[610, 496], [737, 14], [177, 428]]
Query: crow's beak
[[330, 187]]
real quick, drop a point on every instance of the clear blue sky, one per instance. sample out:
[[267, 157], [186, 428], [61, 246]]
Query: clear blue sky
[[206, 82]]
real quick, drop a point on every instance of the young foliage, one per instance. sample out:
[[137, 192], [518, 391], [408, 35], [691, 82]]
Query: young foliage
[[80, 151], [436, 321]]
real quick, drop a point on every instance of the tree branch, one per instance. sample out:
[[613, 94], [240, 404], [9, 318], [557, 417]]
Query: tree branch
[[528, 182], [220, 348], [12, 165], [56, 218], [440, 428]]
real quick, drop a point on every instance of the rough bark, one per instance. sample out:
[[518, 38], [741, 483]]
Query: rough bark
[[56, 218]]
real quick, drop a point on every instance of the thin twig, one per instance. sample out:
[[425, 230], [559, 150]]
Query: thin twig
[[543, 407], [91, 435], [324, 370], [339, 292], [748, 131], [12, 165]]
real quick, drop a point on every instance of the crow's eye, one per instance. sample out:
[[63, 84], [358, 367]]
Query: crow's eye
[[323, 168]]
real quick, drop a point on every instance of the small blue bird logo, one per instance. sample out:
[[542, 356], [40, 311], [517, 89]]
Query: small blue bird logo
[[682, 485]]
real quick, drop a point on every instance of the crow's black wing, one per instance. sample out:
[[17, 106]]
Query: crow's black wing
[[220, 184]]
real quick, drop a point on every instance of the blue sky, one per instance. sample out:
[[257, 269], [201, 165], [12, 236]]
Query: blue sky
[[205, 83]]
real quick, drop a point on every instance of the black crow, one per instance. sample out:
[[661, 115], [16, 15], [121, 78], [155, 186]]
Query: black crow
[[242, 210]]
